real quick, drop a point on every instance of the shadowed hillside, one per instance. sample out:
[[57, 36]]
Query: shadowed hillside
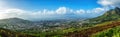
[[8, 33]]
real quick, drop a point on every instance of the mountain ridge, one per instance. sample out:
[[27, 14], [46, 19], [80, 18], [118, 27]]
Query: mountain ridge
[[113, 14]]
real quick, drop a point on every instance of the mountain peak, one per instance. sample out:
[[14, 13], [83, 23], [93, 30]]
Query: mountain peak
[[115, 11], [117, 8], [112, 14]]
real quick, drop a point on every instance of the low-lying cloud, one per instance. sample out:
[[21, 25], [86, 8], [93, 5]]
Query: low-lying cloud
[[61, 12]]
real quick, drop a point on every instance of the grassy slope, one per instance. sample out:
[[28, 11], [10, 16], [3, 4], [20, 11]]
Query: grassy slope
[[112, 32], [95, 29]]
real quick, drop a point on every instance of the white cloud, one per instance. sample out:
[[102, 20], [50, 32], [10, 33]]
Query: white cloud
[[98, 10], [10, 13], [111, 3], [46, 12], [105, 2], [92, 11], [81, 11], [61, 10]]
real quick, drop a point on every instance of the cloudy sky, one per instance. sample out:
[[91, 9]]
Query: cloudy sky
[[55, 9]]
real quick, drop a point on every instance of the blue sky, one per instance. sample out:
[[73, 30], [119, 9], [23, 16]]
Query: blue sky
[[55, 9], [53, 4]]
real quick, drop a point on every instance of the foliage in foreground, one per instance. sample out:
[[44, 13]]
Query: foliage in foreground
[[112, 32], [8, 33]]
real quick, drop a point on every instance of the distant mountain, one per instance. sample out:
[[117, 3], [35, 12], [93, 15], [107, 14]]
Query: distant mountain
[[15, 23], [14, 20]]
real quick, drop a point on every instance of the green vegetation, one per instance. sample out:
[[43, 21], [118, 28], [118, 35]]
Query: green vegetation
[[111, 16], [112, 32], [57, 33], [8, 33], [61, 33]]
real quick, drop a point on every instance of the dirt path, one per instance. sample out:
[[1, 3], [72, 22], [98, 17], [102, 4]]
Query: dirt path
[[90, 31]]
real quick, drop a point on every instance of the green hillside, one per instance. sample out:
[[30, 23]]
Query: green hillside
[[102, 23], [112, 32]]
